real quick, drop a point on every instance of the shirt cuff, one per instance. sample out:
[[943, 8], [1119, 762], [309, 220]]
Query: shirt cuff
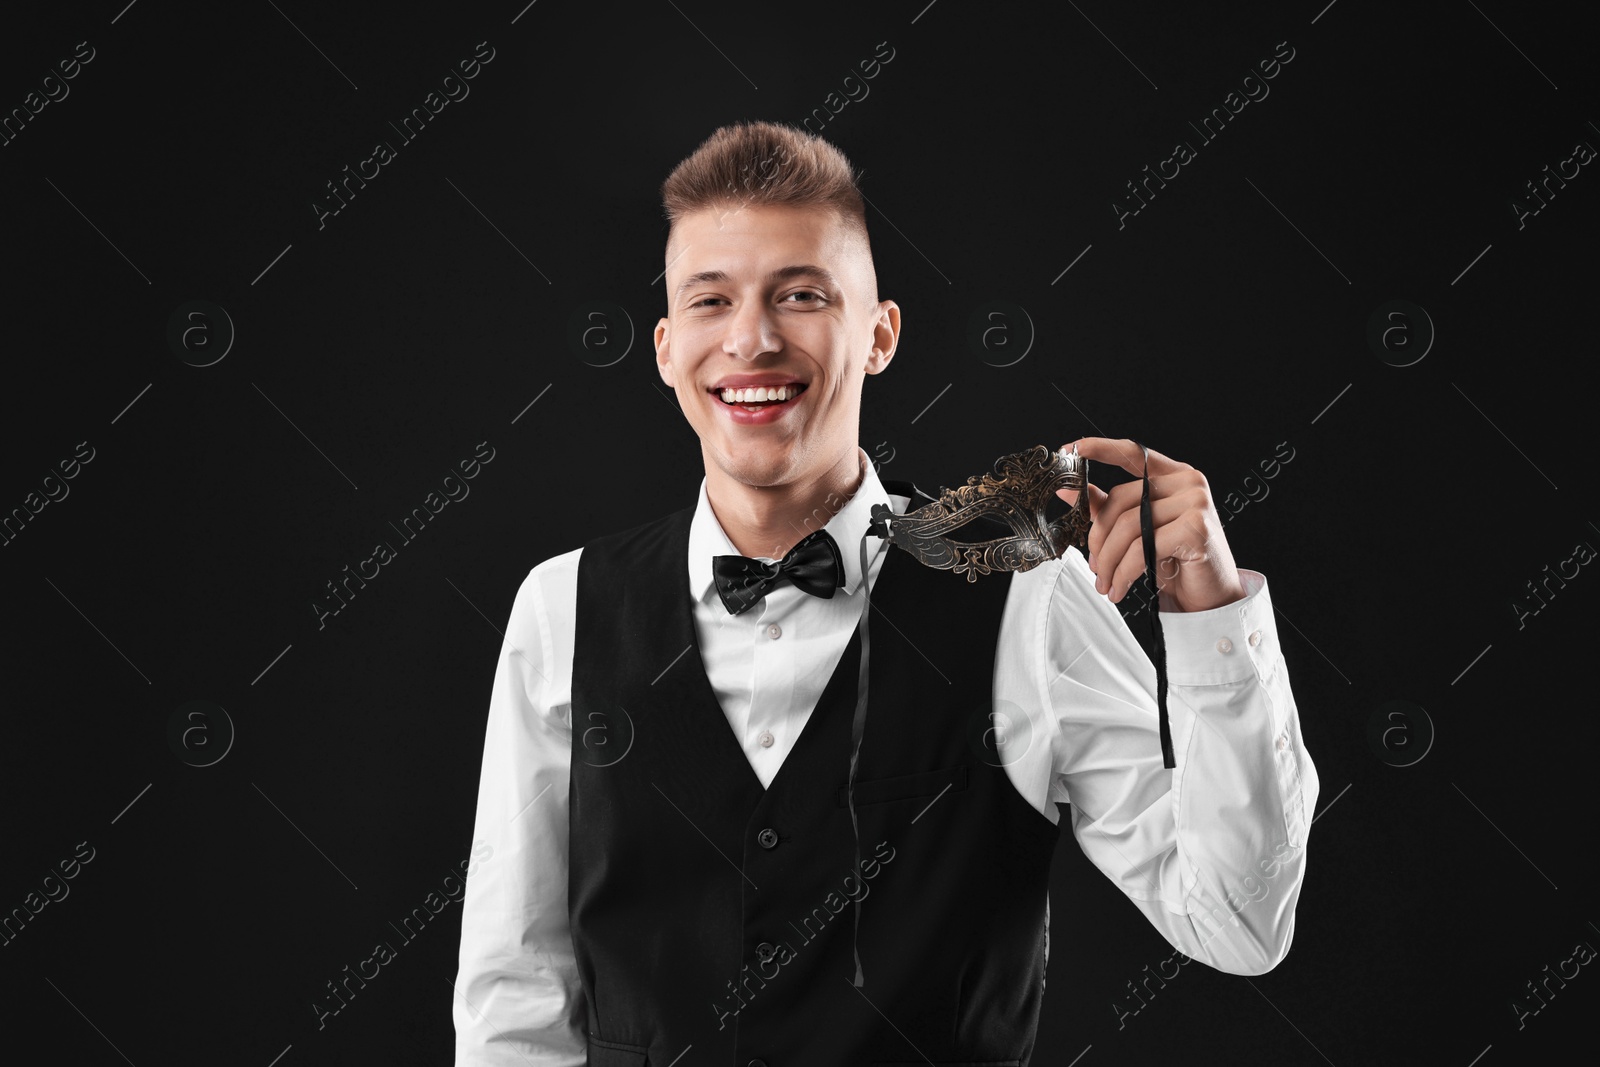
[[1231, 643]]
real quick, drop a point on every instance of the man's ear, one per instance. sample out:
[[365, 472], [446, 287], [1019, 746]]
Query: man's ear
[[663, 356], [885, 336]]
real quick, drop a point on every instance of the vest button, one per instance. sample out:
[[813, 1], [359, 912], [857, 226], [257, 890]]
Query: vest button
[[768, 838], [758, 1063], [765, 951]]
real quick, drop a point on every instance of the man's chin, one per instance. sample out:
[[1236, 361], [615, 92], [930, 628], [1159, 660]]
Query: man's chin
[[760, 464]]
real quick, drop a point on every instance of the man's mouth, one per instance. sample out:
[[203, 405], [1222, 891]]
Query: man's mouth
[[761, 397]]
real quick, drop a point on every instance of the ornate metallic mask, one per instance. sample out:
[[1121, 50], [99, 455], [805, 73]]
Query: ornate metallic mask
[[1016, 494]]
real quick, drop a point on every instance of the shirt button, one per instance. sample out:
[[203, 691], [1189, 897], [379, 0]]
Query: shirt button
[[764, 739], [1224, 645], [768, 838], [1255, 638], [774, 631], [1282, 744]]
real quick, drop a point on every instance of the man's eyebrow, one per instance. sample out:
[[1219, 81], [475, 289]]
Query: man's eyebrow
[[782, 274]]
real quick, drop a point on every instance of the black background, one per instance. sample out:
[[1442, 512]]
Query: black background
[[1230, 315]]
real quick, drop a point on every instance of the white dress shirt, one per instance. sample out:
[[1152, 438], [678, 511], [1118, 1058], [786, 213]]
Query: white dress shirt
[[1211, 852]]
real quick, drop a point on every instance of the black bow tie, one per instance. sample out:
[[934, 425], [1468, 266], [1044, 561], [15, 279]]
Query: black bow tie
[[813, 565]]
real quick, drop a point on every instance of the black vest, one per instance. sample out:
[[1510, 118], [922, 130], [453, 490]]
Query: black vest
[[709, 912]]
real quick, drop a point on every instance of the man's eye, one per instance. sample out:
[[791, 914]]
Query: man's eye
[[812, 298]]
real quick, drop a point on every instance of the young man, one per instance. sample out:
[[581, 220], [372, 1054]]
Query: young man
[[672, 859]]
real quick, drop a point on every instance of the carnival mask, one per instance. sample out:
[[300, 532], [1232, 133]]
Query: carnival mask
[[1016, 494]]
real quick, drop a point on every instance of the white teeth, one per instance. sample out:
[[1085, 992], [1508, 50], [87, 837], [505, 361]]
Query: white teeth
[[759, 394]]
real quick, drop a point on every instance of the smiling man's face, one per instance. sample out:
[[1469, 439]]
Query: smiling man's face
[[765, 296]]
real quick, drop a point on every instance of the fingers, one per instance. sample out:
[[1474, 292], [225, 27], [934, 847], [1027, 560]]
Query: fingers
[[1119, 558], [1071, 496], [1177, 543], [1126, 454], [1180, 499], [1105, 509]]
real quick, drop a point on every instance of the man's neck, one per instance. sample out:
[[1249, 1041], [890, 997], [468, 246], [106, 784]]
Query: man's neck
[[770, 520]]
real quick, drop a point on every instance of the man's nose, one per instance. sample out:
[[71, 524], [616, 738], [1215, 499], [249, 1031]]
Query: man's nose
[[752, 331]]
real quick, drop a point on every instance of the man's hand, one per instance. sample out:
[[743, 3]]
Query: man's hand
[[1194, 566]]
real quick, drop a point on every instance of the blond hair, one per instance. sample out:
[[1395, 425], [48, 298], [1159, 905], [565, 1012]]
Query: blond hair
[[765, 163]]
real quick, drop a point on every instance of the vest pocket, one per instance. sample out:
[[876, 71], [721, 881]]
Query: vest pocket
[[905, 786], [616, 1054]]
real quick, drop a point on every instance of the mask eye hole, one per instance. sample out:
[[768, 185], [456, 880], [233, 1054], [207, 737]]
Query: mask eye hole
[[981, 528]]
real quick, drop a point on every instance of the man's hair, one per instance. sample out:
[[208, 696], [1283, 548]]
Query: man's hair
[[765, 163]]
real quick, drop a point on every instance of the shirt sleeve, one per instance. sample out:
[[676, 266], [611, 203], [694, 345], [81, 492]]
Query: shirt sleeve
[[1212, 851], [518, 998]]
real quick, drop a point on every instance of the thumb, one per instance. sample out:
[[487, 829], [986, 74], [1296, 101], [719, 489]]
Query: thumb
[[1096, 498]]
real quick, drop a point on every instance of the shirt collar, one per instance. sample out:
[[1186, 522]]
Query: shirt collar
[[707, 537]]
